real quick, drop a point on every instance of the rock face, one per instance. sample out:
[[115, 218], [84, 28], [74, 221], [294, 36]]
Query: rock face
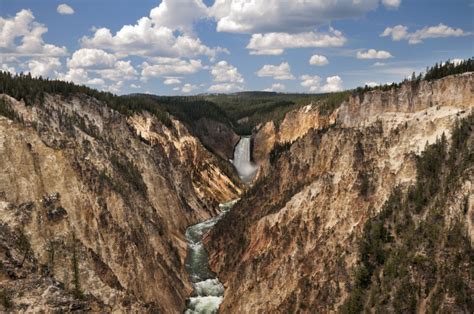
[[217, 136], [295, 124], [290, 245], [94, 207]]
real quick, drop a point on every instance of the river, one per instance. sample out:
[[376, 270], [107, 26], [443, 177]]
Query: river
[[208, 290]]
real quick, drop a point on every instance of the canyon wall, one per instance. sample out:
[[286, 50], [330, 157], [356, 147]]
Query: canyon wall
[[94, 207], [216, 136], [295, 124], [291, 243]]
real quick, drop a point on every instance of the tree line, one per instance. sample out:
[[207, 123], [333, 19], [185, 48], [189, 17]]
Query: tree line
[[439, 70]]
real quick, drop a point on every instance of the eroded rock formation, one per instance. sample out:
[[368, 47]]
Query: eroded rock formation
[[94, 207], [290, 245]]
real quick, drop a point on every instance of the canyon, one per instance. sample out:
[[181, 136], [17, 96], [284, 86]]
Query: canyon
[[98, 203], [291, 244], [106, 211]]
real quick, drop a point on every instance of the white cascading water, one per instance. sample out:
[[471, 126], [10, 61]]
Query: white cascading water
[[242, 161], [208, 290]]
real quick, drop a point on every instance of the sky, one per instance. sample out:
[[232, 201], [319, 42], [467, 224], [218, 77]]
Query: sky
[[185, 47]]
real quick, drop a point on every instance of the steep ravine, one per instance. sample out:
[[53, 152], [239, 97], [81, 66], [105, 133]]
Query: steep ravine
[[291, 244], [94, 207], [208, 290], [104, 212]]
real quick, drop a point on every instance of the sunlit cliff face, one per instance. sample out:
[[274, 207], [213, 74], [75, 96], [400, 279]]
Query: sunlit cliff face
[[291, 244]]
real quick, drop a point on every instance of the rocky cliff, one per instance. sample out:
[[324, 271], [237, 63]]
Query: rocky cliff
[[218, 137], [94, 207], [292, 243], [295, 124]]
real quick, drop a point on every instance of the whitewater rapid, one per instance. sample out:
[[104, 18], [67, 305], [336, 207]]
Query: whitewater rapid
[[208, 290]]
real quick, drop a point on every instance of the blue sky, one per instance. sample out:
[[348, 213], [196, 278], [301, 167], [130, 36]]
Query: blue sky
[[180, 47]]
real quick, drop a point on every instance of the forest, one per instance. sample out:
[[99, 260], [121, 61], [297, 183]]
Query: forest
[[241, 111]]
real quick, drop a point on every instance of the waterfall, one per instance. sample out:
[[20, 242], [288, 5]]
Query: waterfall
[[242, 160]]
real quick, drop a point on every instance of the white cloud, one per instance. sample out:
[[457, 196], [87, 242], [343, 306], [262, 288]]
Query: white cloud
[[170, 66], [313, 83], [171, 81], [403, 72], [224, 72], [122, 70], [318, 60], [115, 88], [391, 4], [225, 88], [147, 38], [267, 52], [65, 9], [379, 64], [24, 29], [227, 76], [373, 54], [95, 81], [456, 61], [275, 88], [240, 16], [179, 14], [278, 72], [7, 68], [275, 43], [135, 86], [371, 84], [188, 88], [86, 58], [80, 76], [400, 32], [45, 67], [87, 61], [333, 84]]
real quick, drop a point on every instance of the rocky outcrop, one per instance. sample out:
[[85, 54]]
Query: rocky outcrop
[[290, 245], [218, 137], [94, 207], [264, 139], [365, 108], [295, 124]]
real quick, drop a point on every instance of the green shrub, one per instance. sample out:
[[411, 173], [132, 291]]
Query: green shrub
[[6, 110], [130, 174], [5, 298], [76, 279]]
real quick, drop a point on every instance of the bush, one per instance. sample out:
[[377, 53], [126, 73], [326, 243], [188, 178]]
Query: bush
[[365, 184], [277, 150], [23, 244], [75, 270], [130, 174], [5, 299], [6, 110]]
